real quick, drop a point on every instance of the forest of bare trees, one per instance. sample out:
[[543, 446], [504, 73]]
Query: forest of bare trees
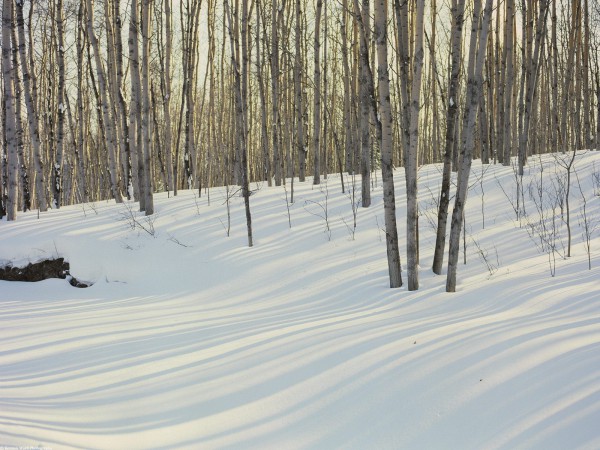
[[120, 99]]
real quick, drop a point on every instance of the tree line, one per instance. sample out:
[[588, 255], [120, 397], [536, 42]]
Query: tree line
[[121, 99]]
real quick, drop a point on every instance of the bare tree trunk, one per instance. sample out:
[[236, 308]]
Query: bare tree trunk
[[276, 19], [568, 77], [326, 134], [24, 172], [60, 126], [317, 97], [349, 144], [597, 76], [105, 106], [365, 126], [299, 106], [533, 70], [190, 24], [412, 212], [264, 134], [135, 109], [32, 118], [10, 124], [587, 111], [146, 122], [508, 58], [240, 112], [81, 132], [167, 94], [387, 170], [477, 51]]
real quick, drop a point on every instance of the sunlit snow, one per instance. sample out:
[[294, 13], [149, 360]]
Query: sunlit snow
[[190, 339]]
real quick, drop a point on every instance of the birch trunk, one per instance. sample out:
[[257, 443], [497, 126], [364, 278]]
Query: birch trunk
[[80, 130], [317, 97], [565, 107], [477, 51], [533, 70], [349, 141], [264, 135], [24, 171], [10, 125], [365, 126], [276, 17], [299, 106], [32, 118], [239, 112], [412, 217], [146, 122], [120, 106], [508, 58], [60, 123], [105, 106], [587, 111], [135, 109], [387, 170]]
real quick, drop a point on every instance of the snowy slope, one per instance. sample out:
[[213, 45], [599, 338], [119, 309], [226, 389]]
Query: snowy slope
[[189, 339]]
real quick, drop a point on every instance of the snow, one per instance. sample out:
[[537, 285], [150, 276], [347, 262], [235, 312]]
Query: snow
[[189, 339]]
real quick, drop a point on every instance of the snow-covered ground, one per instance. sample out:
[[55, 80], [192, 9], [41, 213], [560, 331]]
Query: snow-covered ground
[[190, 339]]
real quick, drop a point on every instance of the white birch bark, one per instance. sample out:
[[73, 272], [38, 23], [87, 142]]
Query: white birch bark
[[10, 125], [317, 97], [412, 213], [240, 111], [60, 124], [32, 118], [135, 109], [167, 94], [451, 119], [146, 122], [387, 171], [299, 104], [533, 70], [276, 17], [112, 145], [477, 52]]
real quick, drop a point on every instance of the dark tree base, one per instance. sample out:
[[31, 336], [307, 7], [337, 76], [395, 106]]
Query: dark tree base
[[43, 270]]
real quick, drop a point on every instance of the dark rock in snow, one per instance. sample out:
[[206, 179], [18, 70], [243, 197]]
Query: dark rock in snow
[[42, 270]]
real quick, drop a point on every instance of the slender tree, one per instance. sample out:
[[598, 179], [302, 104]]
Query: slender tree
[[10, 124], [240, 113], [477, 52], [146, 122], [458, 9], [387, 171], [32, 118], [532, 75], [317, 96], [104, 105]]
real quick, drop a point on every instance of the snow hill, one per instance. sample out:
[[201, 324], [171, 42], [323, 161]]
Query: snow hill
[[190, 339]]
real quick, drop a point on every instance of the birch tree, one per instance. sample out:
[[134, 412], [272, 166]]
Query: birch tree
[[458, 9], [411, 109], [60, 59], [298, 94], [477, 52], [387, 171], [104, 105], [146, 122], [32, 117], [240, 112], [532, 67], [10, 125], [317, 96], [363, 16]]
